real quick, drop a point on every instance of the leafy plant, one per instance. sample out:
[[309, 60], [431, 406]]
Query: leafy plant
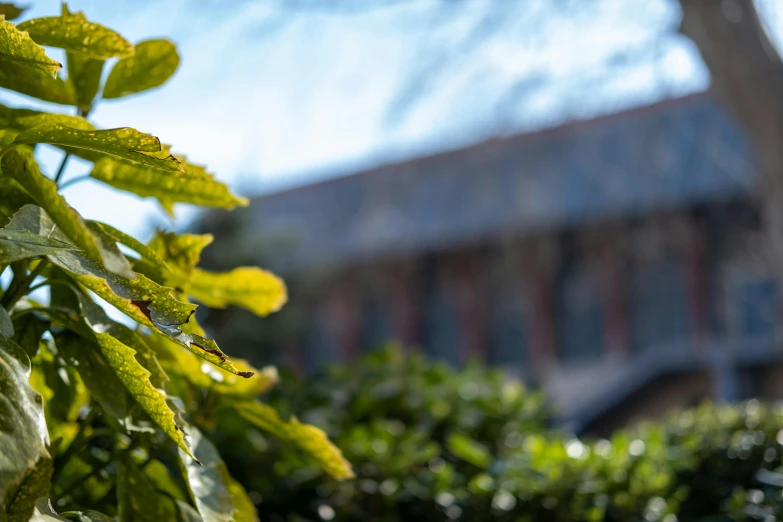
[[430, 442], [100, 418]]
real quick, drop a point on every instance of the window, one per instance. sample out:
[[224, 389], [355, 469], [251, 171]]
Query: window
[[581, 318], [659, 305], [508, 329], [758, 308], [376, 322], [439, 316]]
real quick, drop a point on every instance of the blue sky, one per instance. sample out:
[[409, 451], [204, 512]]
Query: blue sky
[[268, 105]]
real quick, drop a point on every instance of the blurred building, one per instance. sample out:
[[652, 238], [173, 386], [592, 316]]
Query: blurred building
[[615, 262]]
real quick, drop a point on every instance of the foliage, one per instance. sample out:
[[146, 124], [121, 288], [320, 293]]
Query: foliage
[[100, 418], [432, 443]]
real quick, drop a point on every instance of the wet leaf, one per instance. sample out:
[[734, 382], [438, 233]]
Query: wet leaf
[[125, 142], [74, 33], [137, 499], [23, 435], [17, 47], [309, 439], [153, 62], [34, 486], [36, 83], [217, 496], [165, 187], [21, 164], [11, 11], [251, 288], [15, 246]]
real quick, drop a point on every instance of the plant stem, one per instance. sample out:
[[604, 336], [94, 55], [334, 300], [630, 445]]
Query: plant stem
[[61, 170], [74, 180], [23, 288]]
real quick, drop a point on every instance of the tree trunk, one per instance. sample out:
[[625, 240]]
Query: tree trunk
[[747, 76]]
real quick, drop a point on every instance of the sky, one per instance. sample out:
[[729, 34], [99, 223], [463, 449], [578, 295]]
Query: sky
[[270, 99]]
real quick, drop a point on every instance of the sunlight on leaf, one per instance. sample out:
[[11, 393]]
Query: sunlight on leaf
[[75, 33], [17, 46], [153, 62], [251, 288], [58, 215], [125, 142], [309, 439], [166, 188]]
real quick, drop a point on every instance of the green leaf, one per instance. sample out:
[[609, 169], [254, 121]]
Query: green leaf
[[137, 500], [96, 373], [11, 11], [177, 362], [12, 198], [172, 257], [62, 389], [166, 188], [217, 496], [147, 253], [28, 329], [245, 510], [23, 435], [20, 164], [16, 46], [24, 122], [309, 439], [15, 246], [34, 486], [75, 33], [468, 450], [161, 478], [123, 365], [6, 325], [145, 302], [36, 83], [153, 62], [125, 142], [84, 73], [180, 251], [251, 288]]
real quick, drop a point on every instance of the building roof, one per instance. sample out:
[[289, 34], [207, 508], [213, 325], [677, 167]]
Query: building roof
[[673, 153]]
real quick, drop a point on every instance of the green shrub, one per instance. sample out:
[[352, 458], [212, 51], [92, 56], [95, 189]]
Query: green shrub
[[432, 443], [94, 414]]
